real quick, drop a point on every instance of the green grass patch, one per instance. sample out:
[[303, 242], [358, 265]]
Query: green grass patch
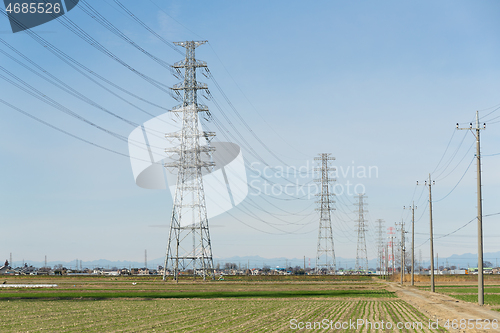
[[262, 278], [464, 290], [193, 315], [205, 295], [488, 299]]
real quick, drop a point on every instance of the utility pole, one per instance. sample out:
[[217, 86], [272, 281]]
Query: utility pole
[[419, 260], [380, 242], [480, 278], [189, 213], [361, 254], [412, 207], [145, 258], [45, 264], [325, 255], [433, 288]]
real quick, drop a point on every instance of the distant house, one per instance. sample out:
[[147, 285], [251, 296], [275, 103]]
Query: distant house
[[6, 269], [108, 272]]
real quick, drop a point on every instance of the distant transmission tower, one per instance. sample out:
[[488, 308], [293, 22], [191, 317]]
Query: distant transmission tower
[[325, 257], [361, 254], [189, 239], [380, 243]]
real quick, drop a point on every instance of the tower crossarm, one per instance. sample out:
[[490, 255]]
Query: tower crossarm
[[323, 209], [193, 44], [201, 149], [324, 157], [196, 86], [184, 64], [180, 108], [201, 164], [326, 180], [180, 135]]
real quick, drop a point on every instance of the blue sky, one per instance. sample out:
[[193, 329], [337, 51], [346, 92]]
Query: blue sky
[[374, 83]]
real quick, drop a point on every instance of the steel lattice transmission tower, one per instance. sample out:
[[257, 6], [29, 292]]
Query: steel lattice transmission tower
[[361, 253], [380, 243], [325, 257], [189, 244]]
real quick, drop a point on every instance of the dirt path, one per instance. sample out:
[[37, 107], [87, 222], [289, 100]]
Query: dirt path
[[443, 307]]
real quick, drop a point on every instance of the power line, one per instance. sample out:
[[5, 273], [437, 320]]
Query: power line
[[454, 187]]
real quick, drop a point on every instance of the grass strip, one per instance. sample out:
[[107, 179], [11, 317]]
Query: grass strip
[[488, 299], [204, 295]]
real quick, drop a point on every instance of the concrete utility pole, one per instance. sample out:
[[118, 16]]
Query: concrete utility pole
[[412, 207], [431, 235], [433, 287], [480, 279]]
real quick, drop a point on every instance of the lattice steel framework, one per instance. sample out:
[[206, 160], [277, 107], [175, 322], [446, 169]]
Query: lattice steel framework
[[380, 243], [325, 256], [361, 253], [189, 244]]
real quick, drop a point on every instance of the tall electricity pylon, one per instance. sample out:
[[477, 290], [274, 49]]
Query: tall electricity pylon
[[189, 244], [361, 253], [325, 257], [402, 250], [391, 244], [412, 207], [380, 243]]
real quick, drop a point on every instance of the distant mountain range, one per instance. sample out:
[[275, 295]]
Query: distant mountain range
[[461, 261]]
